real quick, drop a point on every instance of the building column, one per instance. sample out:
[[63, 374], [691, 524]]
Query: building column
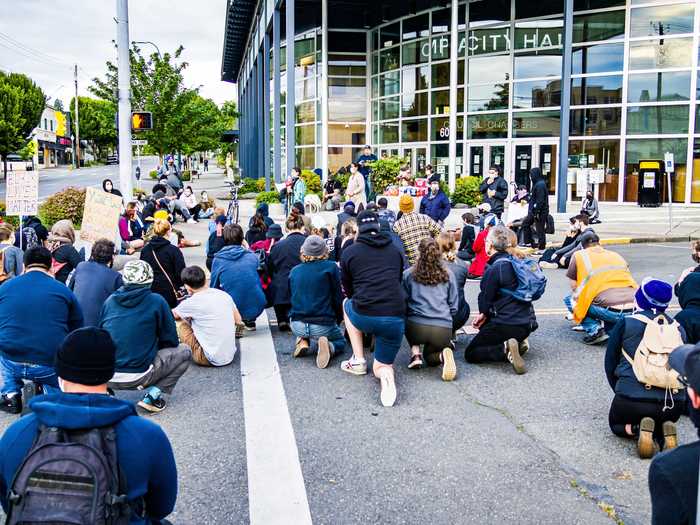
[[260, 120], [454, 45], [277, 99], [324, 91], [243, 130], [565, 105], [254, 106], [266, 109], [290, 137]]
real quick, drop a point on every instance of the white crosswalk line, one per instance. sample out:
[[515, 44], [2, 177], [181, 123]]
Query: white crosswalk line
[[276, 490]]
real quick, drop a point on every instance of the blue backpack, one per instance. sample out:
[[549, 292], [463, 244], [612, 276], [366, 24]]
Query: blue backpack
[[531, 279]]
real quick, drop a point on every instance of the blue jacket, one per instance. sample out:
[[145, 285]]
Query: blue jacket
[[436, 207], [140, 323], [36, 314], [92, 283], [688, 293], [143, 450], [316, 297], [235, 271]]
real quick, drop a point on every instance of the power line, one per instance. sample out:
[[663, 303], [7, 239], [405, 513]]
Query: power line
[[28, 49], [30, 56]]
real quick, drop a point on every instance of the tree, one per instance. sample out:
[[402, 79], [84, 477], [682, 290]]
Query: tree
[[97, 119], [199, 126], [21, 105], [58, 104], [229, 115]]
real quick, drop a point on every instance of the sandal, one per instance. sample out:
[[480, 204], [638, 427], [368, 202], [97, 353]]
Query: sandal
[[416, 362]]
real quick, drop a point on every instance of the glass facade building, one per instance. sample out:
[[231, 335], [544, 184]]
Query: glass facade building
[[634, 90]]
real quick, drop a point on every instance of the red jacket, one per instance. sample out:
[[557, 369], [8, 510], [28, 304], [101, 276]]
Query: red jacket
[[480, 259]]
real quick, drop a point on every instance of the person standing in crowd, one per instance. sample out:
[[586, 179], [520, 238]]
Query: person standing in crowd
[[602, 290], [33, 233], [363, 162], [688, 293], [207, 320], [85, 362], [589, 206], [538, 209], [561, 257], [10, 256], [641, 409], [149, 355], [132, 228], [206, 164], [413, 227], [459, 270], [504, 322], [36, 314], [673, 476], [494, 190], [284, 256], [216, 240], [108, 186], [190, 200], [371, 274], [469, 233], [433, 302], [167, 263], [235, 271], [356, 190], [347, 213], [298, 187], [385, 214], [65, 258], [332, 193], [481, 255], [317, 303], [435, 204], [94, 281]]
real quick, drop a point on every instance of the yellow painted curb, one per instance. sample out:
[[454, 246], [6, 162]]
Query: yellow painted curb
[[616, 240]]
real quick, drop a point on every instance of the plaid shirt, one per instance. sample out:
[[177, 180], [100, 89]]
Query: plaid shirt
[[413, 228]]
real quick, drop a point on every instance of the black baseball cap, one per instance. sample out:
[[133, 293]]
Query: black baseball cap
[[686, 361]]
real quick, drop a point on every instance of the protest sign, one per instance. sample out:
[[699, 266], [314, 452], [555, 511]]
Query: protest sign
[[22, 193], [101, 215]]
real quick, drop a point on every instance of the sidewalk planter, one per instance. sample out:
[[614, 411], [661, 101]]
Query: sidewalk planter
[[276, 209]]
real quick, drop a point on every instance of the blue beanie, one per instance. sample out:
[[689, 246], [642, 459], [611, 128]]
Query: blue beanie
[[654, 294]]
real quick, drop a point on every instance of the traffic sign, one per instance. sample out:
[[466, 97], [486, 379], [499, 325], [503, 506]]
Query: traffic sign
[[668, 162], [141, 120], [139, 142]]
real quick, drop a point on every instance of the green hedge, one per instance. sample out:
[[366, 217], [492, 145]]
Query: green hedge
[[66, 204], [467, 191], [12, 219], [153, 174], [269, 197], [313, 182]]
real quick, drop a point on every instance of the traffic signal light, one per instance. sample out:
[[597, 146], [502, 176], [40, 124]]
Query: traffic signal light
[[141, 121]]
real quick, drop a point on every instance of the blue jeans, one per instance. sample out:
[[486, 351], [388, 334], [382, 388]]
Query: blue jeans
[[332, 332], [595, 314], [13, 373], [388, 332]]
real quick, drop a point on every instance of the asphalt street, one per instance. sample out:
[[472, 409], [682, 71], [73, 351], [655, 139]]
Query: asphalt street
[[491, 447]]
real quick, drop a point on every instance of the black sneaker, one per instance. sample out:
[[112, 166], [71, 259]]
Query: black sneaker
[[283, 327], [151, 404], [599, 337], [11, 405]]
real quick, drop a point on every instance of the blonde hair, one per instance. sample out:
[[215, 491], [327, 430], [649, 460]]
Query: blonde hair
[[312, 258], [161, 227], [349, 227], [6, 231], [448, 246]]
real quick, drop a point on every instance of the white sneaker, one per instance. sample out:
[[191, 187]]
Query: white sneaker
[[548, 265], [191, 221], [388, 389], [577, 328], [354, 366]]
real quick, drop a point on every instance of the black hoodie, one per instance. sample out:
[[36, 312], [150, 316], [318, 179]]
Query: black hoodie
[[539, 198], [688, 293], [371, 271]]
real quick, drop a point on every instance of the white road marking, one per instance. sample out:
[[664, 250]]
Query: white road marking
[[276, 490]]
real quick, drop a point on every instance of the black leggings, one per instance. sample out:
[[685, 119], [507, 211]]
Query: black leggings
[[540, 221], [487, 345], [628, 411], [434, 338], [282, 313]]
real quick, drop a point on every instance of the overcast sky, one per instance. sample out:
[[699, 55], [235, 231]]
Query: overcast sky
[[44, 38]]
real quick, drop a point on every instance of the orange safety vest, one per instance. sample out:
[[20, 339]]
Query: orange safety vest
[[597, 270]]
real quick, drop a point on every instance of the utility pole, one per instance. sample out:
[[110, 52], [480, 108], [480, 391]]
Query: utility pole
[[76, 146], [124, 97]]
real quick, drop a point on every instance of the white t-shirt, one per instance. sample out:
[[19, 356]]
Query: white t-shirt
[[211, 315]]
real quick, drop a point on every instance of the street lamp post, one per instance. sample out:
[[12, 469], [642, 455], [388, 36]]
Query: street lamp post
[[147, 42], [124, 97]]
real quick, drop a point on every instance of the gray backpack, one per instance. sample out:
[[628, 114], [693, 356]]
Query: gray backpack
[[70, 477]]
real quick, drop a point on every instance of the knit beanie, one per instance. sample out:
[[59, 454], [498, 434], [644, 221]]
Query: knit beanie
[[435, 177], [137, 272], [314, 246], [490, 220], [406, 203], [654, 294], [368, 221], [349, 207], [86, 357]]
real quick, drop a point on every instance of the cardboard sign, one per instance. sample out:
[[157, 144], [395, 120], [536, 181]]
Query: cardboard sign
[[101, 215], [22, 193]]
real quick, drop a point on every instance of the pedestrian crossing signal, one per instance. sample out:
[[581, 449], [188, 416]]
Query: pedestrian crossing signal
[[141, 121]]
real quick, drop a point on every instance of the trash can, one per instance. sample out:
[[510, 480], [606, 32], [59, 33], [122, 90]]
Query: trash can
[[649, 183]]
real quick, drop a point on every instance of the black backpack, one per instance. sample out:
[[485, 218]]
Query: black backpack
[[70, 477]]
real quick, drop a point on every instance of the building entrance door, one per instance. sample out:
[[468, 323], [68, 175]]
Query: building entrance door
[[417, 156], [543, 155], [523, 163], [484, 155]]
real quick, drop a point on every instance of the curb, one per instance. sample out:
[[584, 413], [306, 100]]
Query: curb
[[647, 240]]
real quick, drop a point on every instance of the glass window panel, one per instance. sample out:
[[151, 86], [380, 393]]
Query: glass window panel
[[306, 158], [661, 54], [536, 94], [654, 149], [375, 87], [530, 9], [606, 156], [491, 40], [487, 126], [347, 109], [414, 130], [346, 59], [389, 84], [375, 39], [346, 134], [596, 90], [585, 5], [415, 78], [305, 135], [389, 35], [441, 101], [659, 87], [414, 104], [441, 75], [536, 124], [389, 59], [306, 89], [389, 132], [662, 20], [306, 112], [596, 121], [344, 41], [489, 12], [304, 52], [441, 20], [339, 157], [441, 128], [488, 97], [598, 58], [599, 26], [389, 108], [537, 64], [538, 34], [695, 182], [645, 120], [491, 69], [347, 71], [375, 63], [354, 87], [416, 52], [415, 27], [440, 47]]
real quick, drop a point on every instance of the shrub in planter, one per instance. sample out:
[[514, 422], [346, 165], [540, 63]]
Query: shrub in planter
[[313, 182], [467, 191], [153, 174], [384, 172], [9, 219], [186, 176], [66, 204], [269, 197], [249, 186], [260, 183]]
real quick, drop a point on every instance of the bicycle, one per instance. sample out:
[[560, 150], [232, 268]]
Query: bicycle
[[233, 211]]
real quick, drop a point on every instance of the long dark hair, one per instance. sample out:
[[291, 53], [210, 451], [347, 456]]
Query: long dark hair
[[258, 222], [429, 269]]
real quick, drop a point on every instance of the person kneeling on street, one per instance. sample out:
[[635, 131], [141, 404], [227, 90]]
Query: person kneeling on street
[[433, 301], [647, 401], [140, 453], [207, 320], [317, 303], [504, 322], [149, 355]]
